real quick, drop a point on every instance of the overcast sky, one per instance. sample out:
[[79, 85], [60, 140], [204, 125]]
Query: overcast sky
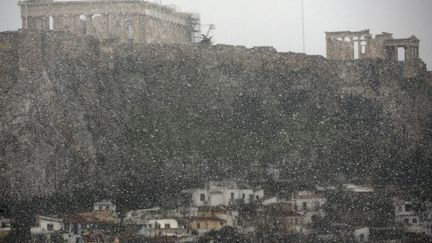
[[278, 22]]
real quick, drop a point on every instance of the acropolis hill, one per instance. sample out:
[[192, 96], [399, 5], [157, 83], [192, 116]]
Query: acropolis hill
[[95, 103]]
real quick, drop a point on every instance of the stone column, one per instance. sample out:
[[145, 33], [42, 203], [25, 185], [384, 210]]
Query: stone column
[[24, 22], [359, 47], [409, 54], [108, 23], [45, 21], [89, 24], [82, 25]]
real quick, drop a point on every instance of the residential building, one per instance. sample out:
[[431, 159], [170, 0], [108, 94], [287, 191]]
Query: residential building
[[309, 204], [225, 193], [137, 216], [104, 205], [221, 212], [281, 218], [5, 226], [160, 227], [416, 217], [338, 232], [205, 224], [361, 234], [47, 224]]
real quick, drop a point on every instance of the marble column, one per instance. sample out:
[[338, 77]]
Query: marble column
[[89, 24]]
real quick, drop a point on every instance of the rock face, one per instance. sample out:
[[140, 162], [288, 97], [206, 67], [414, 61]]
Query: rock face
[[77, 113]]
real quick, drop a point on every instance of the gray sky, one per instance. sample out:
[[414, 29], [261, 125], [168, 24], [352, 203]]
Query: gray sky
[[278, 22]]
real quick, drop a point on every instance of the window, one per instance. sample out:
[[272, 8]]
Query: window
[[50, 227], [202, 197], [408, 207], [232, 195], [167, 226], [198, 225], [257, 197], [406, 221], [304, 205], [243, 196], [414, 221], [362, 237], [150, 226]]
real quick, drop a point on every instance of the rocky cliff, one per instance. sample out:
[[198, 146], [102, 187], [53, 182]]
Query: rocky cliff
[[79, 114]]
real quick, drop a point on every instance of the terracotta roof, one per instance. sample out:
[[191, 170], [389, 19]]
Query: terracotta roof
[[215, 209], [91, 217], [206, 219]]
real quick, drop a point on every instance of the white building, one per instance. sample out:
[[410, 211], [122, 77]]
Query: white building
[[5, 225], [160, 227], [229, 215], [306, 201], [45, 224], [137, 216], [413, 220], [361, 234], [104, 205], [225, 193], [405, 213], [160, 224]]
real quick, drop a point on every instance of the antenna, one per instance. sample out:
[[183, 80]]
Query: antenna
[[303, 26]]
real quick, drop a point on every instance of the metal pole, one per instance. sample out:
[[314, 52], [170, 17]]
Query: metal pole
[[303, 26]]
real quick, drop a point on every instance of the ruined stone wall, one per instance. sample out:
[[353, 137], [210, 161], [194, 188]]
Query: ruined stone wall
[[9, 68], [340, 50], [347, 45], [377, 47]]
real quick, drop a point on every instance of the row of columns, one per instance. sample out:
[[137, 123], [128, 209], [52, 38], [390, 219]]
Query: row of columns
[[359, 41], [106, 26], [356, 43], [78, 24], [411, 52]]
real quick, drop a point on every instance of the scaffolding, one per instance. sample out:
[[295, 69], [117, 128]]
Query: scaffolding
[[195, 20]]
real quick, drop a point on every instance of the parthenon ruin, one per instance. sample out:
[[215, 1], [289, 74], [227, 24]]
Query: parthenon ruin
[[347, 45], [123, 20]]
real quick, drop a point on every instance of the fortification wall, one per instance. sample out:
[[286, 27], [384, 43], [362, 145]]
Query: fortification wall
[[8, 61]]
